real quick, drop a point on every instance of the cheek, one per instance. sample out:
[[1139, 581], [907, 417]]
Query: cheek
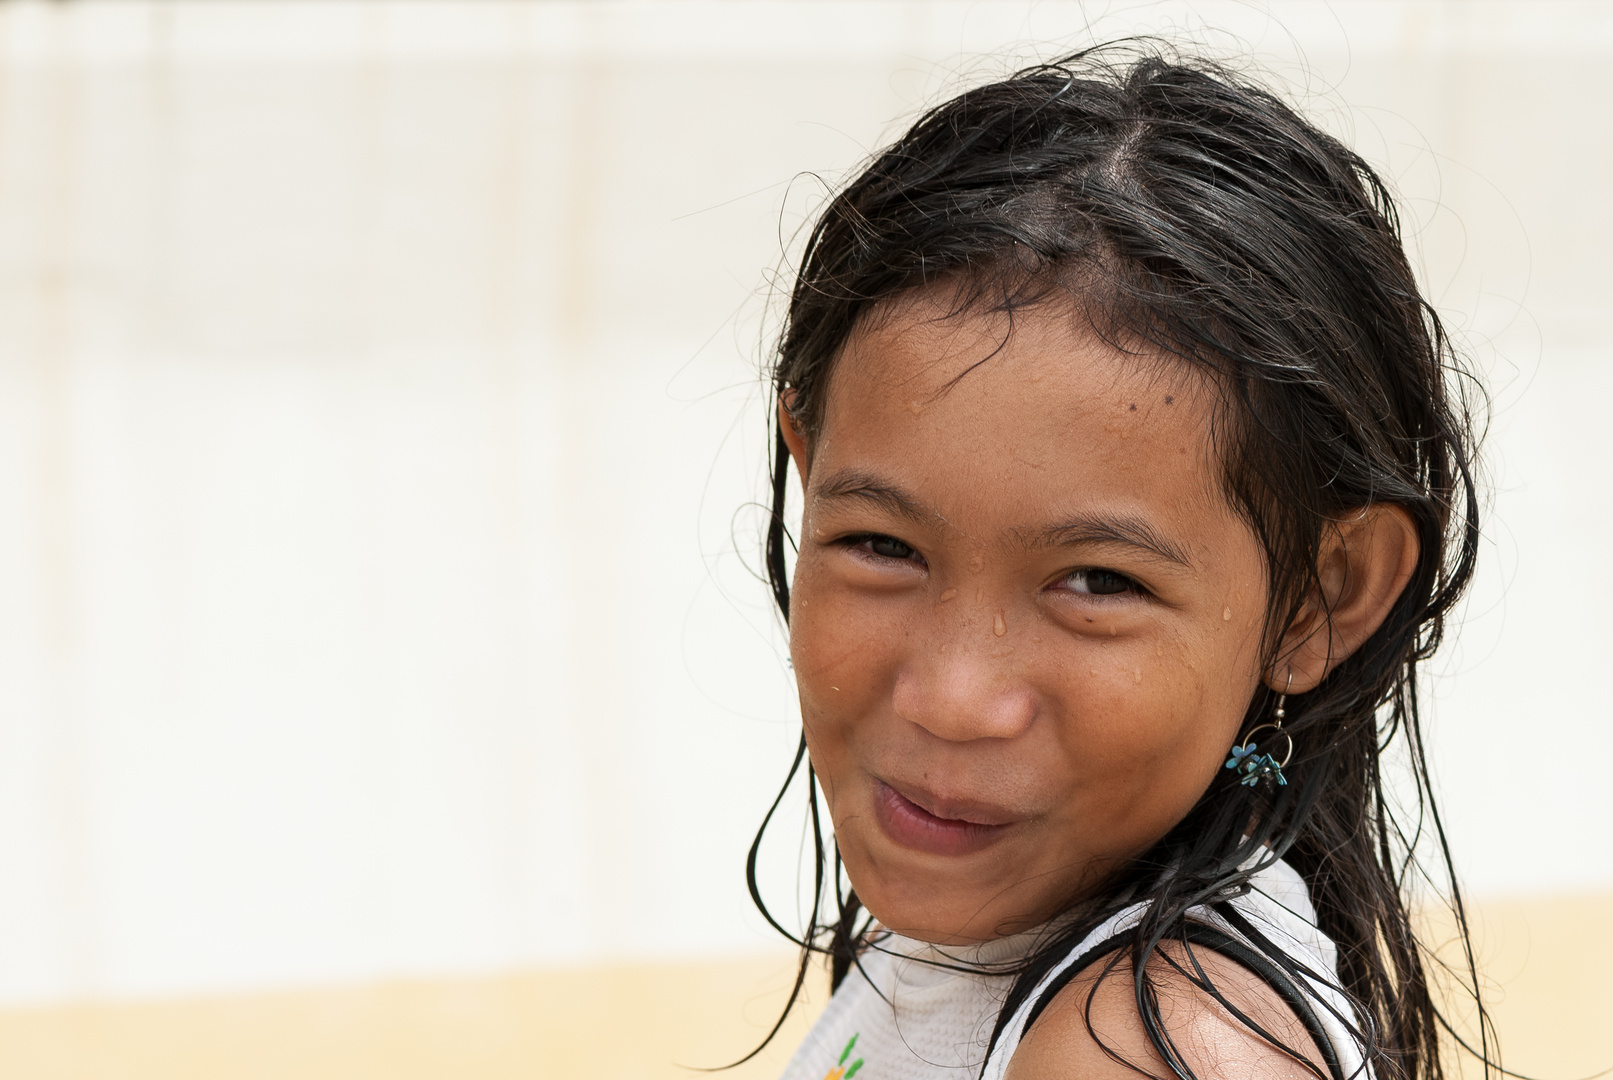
[[845, 655], [824, 641], [1123, 716], [1145, 726]]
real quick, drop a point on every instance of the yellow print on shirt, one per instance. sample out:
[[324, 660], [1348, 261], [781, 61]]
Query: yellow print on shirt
[[842, 1071]]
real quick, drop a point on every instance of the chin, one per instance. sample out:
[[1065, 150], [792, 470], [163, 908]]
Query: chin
[[944, 901], [939, 924]]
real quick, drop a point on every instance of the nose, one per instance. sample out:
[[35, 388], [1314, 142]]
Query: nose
[[963, 684]]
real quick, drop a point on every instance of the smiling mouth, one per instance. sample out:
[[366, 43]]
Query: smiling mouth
[[909, 825]]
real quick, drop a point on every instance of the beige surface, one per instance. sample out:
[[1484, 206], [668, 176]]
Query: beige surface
[[1546, 963], [1547, 960], [624, 1022]]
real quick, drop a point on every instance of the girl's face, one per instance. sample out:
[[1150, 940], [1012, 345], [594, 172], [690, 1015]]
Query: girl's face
[[1025, 621]]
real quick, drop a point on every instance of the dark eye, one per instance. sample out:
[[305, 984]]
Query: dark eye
[[1099, 582], [888, 547]]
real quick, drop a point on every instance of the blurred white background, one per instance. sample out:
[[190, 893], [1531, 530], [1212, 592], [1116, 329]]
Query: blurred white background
[[379, 416]]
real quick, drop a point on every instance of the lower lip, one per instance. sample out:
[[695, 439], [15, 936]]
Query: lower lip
[[911, 826]]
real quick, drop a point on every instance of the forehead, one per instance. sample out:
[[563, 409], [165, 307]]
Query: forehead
[[1025, 412]]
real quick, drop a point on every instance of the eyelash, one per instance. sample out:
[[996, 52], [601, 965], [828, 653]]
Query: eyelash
[[1128, 586], [864, 542]]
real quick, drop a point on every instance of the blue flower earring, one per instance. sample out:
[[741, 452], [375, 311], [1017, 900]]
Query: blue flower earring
[[1248, 763]]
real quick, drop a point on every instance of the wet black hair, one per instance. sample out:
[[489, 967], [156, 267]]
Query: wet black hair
[[1186, 211]]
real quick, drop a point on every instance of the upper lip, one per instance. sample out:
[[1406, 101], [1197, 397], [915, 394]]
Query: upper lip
[[953, 808]]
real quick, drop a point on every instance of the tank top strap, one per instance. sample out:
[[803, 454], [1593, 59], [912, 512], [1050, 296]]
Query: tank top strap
[[1270, 930]]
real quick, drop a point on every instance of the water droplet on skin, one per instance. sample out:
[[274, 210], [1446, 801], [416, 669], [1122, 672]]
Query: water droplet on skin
[[949, 594], [1226, 616], [998, 626]]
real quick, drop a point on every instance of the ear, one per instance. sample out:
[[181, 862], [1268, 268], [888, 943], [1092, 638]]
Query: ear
[[792, 436], [1365, 562]]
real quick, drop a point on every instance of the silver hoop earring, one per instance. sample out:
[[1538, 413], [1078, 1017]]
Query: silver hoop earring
[[1253, 766]]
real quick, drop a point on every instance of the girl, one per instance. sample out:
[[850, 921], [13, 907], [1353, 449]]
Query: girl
[[1135, 492]]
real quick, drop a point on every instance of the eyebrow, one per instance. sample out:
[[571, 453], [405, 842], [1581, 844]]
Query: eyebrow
[[854, 484], [1123, 529]]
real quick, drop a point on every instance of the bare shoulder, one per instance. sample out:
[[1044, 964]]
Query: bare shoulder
[[1215, 1044]]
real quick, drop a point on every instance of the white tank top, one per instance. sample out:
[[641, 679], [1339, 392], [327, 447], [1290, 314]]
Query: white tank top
[[933, 1023]]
